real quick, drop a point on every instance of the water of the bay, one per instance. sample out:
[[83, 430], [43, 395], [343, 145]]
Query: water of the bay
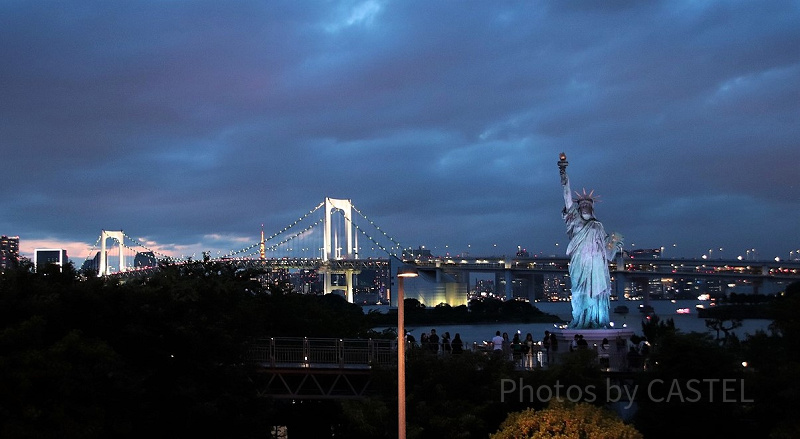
[[664, 309]]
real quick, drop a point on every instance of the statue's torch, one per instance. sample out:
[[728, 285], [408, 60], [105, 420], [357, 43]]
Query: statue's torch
[[562, 163]]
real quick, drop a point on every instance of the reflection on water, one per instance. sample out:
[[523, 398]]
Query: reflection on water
[[664, 309]]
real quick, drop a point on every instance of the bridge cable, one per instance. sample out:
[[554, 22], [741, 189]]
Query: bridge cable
[[93, 249], [377, 227], [373, 240], [232, 253]]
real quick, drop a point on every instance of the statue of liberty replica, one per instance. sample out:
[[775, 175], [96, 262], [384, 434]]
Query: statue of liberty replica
[[589, 250]]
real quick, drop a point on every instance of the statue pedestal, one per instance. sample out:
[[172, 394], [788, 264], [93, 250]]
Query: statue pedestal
[[611, 358]]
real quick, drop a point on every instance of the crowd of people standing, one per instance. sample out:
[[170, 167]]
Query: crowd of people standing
[[527, 353], [430, 341], [531, 353]]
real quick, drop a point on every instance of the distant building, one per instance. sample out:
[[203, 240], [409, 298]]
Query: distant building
[[9, 252], [484, 288], [92, 264], [421, 253], [645, 253], [44, 256], [145, 259]]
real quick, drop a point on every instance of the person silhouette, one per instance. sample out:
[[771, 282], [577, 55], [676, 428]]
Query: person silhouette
[[457, 345]]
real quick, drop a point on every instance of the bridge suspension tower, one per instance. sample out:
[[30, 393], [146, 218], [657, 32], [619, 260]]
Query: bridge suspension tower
[[332, 250], [105, 269]]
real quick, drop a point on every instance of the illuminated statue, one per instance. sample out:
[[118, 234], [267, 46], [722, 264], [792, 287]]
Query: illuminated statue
[[589, 251]]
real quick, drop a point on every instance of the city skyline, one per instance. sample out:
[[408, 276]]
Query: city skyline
[[190, 125]]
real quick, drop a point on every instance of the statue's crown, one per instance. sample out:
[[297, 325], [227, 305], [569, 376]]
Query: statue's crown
[[584, 197]]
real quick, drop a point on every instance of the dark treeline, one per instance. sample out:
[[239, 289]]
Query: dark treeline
[[741, 306], [741, 298], [478, 311], [737, 311], [90, 358], [161, 357], [748, 385]]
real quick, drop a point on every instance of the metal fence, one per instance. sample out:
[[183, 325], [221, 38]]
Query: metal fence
[[322, 352], [305, 352]]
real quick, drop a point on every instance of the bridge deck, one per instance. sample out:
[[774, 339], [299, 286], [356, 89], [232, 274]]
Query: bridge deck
[[318, 368]]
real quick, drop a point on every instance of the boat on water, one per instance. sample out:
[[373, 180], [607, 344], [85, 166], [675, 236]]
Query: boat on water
[[621, 309], [646, 309]]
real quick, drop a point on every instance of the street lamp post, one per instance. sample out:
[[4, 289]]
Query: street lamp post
[[402, 273]]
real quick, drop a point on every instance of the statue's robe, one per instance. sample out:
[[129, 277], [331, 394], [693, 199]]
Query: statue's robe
[[589, 254]]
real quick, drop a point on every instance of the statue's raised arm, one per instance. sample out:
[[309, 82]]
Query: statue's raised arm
[[562, 169]]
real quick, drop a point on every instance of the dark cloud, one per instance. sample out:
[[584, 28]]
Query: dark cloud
[[192, 123]]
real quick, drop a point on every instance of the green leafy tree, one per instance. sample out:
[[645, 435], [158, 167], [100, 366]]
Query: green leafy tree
[[563, 420], [455, 396]]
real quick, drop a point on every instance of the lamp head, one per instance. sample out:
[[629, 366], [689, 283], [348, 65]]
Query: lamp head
[[407, 271]]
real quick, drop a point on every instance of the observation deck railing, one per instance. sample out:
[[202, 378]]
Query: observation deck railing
[[305, 352]]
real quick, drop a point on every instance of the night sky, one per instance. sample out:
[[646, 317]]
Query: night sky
[[188, 124]]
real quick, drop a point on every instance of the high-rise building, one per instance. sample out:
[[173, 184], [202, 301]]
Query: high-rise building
[[145, 259], [92, 264], [9, 252], [44, 256]]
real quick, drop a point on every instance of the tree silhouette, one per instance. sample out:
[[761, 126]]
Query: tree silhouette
[[718, 324]]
